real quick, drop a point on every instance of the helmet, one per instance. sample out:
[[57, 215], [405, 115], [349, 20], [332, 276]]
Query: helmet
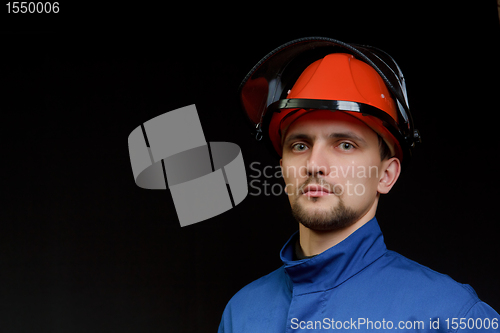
[[318, 73]]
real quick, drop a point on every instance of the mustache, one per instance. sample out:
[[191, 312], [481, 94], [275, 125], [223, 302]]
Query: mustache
[[320, 182]]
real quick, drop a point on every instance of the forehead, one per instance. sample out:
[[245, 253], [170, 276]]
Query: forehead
[[325, 122]]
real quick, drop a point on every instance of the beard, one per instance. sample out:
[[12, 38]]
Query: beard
[[338, 217]]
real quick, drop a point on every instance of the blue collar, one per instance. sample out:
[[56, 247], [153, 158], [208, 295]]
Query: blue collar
[[337, 264]]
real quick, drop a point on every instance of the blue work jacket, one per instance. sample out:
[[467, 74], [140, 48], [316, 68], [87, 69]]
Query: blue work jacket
[[356, 285]]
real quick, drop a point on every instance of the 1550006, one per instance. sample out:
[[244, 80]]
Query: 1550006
[[32, 7], [471, 323]]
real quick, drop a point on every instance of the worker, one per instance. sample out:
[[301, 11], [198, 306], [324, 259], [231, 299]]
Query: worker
[[337, 117]]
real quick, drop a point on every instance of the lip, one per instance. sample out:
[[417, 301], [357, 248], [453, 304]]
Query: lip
[[314, 190]]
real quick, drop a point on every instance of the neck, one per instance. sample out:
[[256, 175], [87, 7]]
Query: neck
[[314, 242]]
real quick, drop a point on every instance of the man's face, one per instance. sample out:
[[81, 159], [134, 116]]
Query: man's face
[[332, 169]]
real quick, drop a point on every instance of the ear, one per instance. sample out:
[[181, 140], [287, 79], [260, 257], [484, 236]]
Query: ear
[[391, 170]]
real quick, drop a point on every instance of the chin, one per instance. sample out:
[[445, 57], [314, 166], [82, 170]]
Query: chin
[[324, 215]]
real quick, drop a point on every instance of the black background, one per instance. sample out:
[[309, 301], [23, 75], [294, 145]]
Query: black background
[[83, 249]]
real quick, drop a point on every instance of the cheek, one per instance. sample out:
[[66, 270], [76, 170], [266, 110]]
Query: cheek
[[288, 178], [293, 174], [358, 180]]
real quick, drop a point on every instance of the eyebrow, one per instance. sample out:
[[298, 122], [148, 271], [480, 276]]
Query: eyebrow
[[298, 136], [347, 135], [337, 135]]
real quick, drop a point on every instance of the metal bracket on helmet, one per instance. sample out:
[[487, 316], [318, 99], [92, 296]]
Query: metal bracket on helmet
[[258, 132]]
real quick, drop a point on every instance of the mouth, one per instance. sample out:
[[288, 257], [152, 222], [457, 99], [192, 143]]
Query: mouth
[[314, 190]]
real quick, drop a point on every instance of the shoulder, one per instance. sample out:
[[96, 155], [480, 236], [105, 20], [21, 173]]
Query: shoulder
[[264, 301], [417, 282], [261, 288], [262, 298], [425, 277]]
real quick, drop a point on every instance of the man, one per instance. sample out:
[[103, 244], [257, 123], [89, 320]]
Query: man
[[338, 117]]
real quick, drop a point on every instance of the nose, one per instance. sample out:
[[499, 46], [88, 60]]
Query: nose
[[317, 165]]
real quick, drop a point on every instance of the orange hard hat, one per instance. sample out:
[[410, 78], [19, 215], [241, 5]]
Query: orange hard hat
[[318, 73], [341, 77]]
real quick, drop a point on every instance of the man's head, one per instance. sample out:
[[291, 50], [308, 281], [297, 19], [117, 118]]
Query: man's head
[[336, 163], [337, 114], [335, 167]]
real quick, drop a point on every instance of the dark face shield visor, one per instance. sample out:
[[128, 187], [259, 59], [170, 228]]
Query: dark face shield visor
[[264, 89]]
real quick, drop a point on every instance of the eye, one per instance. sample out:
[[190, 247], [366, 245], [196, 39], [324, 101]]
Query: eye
[[299, 147], [346, 146]]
